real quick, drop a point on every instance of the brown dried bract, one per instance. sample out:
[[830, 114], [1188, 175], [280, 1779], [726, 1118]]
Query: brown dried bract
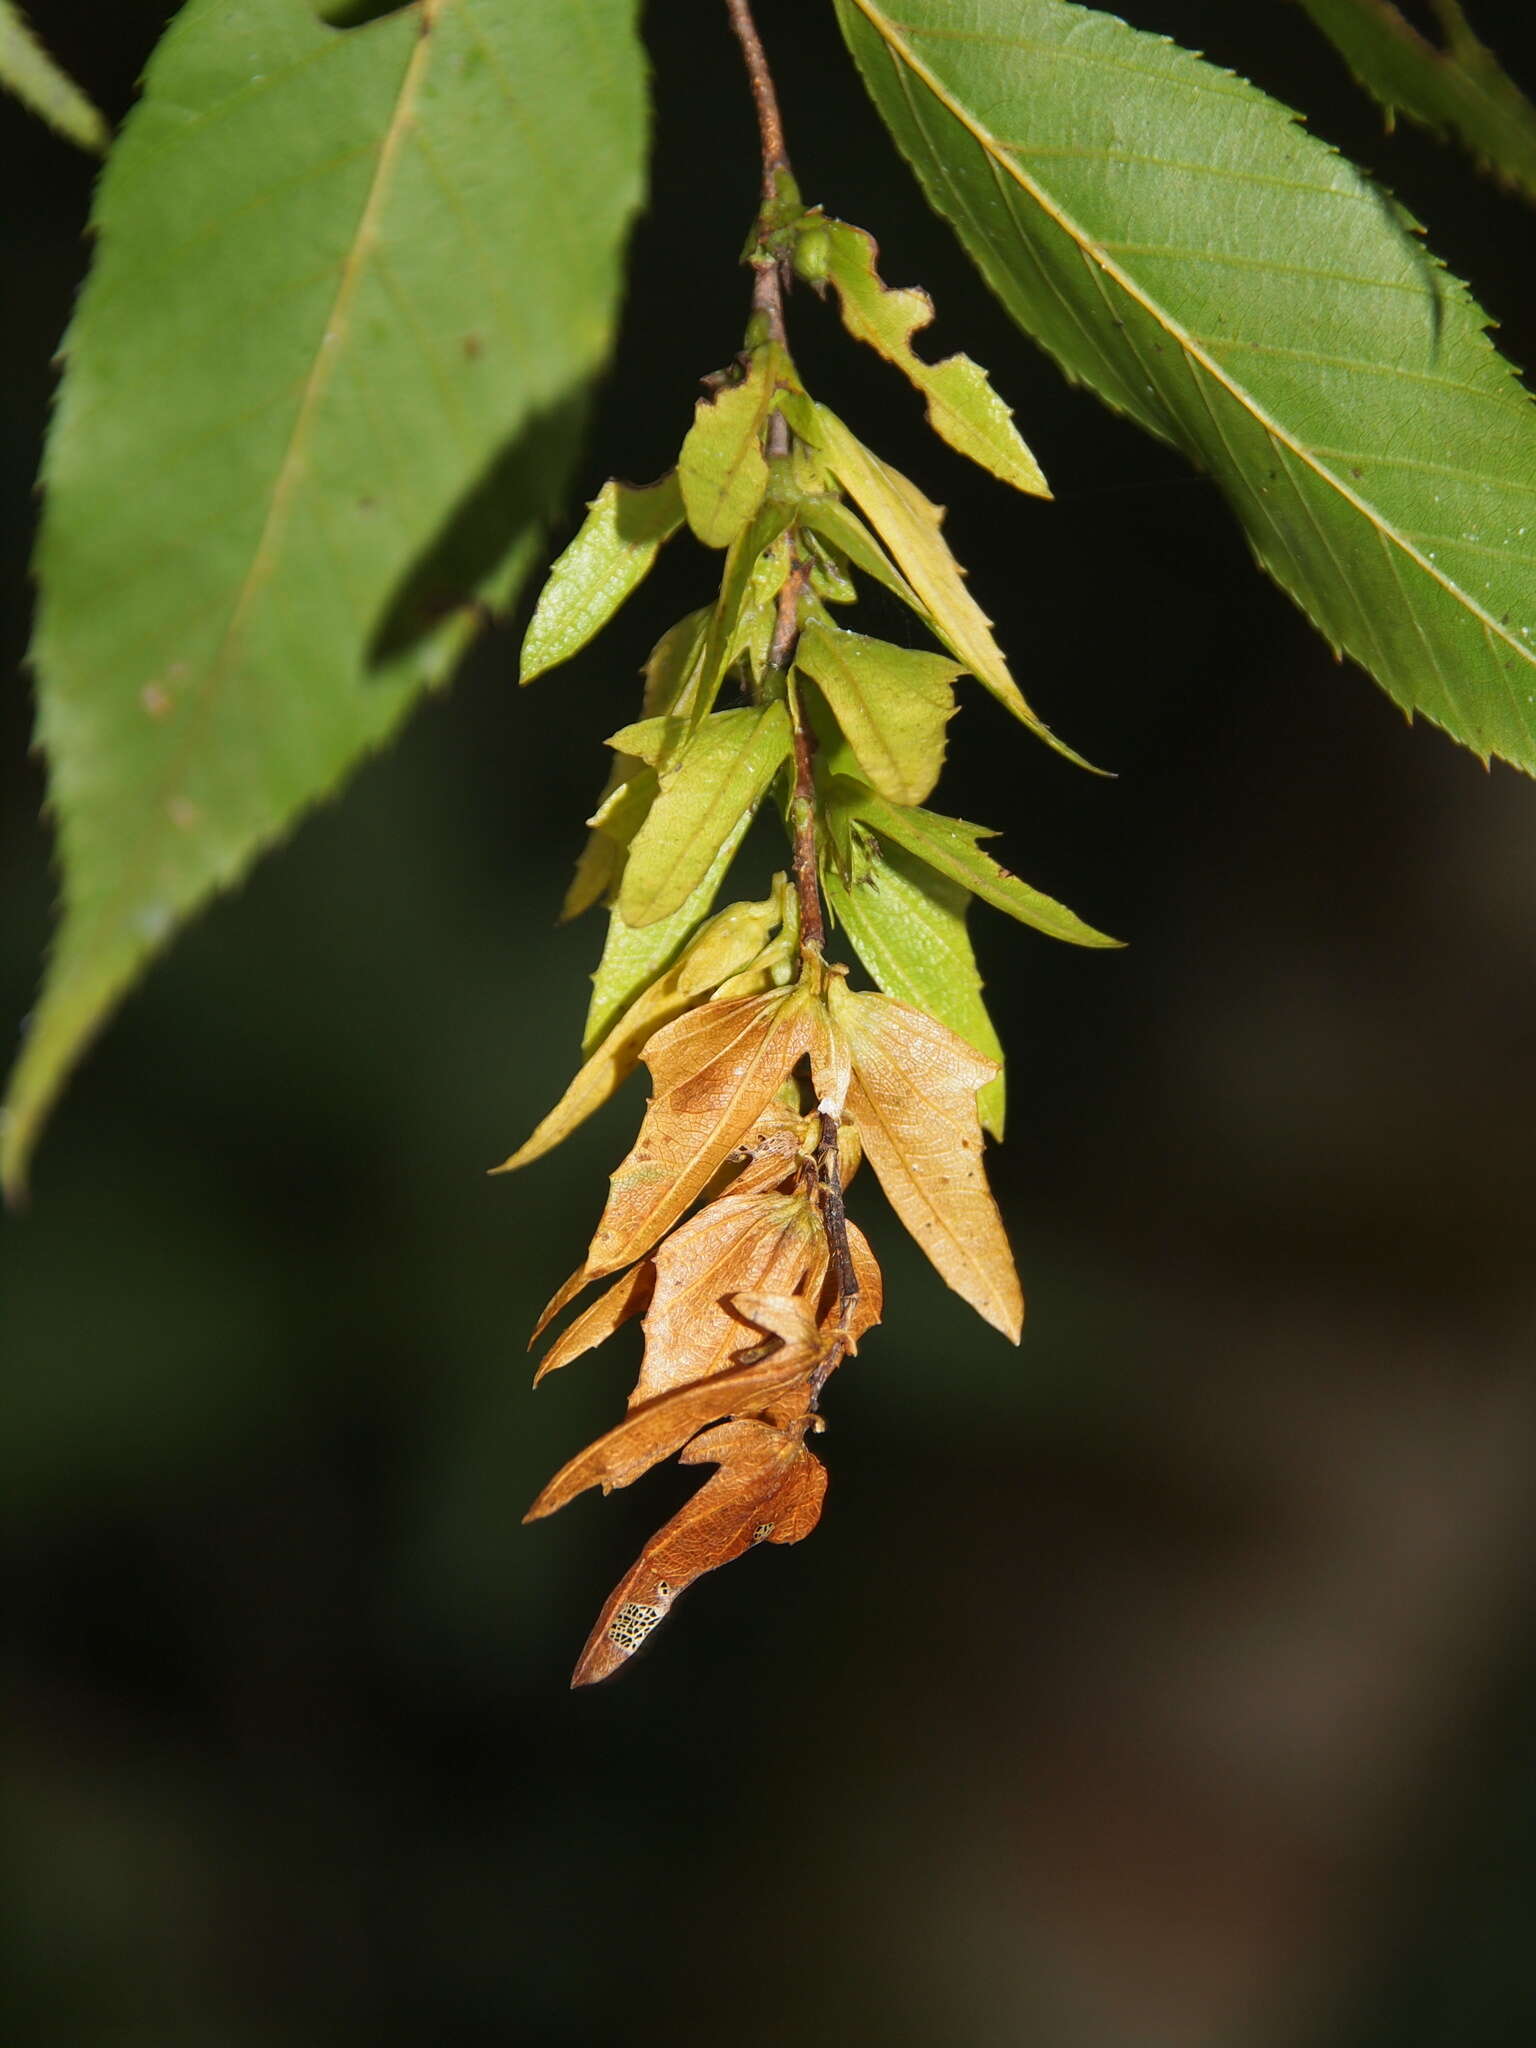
[[912, 1095], [769, 1489], [771, 1243], [716, 1070]]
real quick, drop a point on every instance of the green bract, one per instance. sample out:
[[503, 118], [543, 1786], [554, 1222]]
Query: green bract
[[962, 406], [607, 561]]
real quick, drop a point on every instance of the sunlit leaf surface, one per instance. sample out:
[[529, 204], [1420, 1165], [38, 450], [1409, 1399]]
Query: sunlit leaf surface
[[1182, 245]]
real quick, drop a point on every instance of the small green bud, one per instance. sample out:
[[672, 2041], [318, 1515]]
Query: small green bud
[[813, 256]]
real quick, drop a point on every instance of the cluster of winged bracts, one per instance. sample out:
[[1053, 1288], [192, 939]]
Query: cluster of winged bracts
[[725, 1230], [744, 1311]]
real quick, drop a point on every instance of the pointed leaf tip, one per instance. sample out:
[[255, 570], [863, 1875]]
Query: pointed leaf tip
[[913, 1097], [963, 409], [910, 526], [611, 555]]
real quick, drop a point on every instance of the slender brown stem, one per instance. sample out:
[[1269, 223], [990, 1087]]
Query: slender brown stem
[[802, 815], [769, 273], [770, 278], [813, 940], [770, 124]]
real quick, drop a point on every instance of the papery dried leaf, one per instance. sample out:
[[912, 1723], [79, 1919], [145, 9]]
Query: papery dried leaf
[[719, 950], [658, 1428], [716, 1070], [907, 923], [768, 1243], [913, 1097], [769, 1490], [789, 1318], [562, 1297], [630, 1295], [769, 1153], [831, 1058]]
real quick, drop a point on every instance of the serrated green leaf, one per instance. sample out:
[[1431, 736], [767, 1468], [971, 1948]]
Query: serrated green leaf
[[633, 956], [963, 409], [893, 704], [907, 925], [909, 524], [1177, 242], [609, 558], [1461, 89], [322, 383], [949, 846], [722, 467], [712, 776], [27, 70]]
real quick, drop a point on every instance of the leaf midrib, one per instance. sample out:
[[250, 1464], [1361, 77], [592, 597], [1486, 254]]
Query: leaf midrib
[[1095, 251], [328, 354]]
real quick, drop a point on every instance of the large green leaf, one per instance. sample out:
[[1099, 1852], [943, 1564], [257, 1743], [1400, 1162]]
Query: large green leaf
[[349, 290], [1461, 88], [1177, 242]]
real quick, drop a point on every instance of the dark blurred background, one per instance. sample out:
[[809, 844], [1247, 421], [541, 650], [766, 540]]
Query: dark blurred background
[[1166, 1684]]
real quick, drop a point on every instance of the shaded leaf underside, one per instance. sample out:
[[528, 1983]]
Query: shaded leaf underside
[[350, 288]]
